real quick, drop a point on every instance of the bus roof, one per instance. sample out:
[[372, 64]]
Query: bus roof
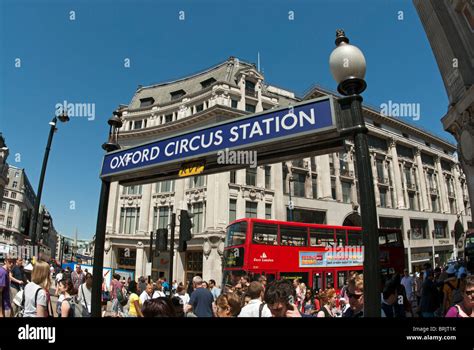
[[296, 224]]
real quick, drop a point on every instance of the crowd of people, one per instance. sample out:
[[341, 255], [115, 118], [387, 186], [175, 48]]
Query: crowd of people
[[441, 292]]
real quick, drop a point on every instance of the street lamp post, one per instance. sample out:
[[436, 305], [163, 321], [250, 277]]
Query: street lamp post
[[348, 66], [115, 123], [62, 118], [290, 203]]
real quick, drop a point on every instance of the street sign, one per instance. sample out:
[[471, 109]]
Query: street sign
[[307, 128]]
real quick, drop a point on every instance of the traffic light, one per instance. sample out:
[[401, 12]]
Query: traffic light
[[185, 227], [161, 244], [45, 225]]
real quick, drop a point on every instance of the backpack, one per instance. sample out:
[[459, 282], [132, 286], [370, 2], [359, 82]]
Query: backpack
[[75, 307], [121, 297], [21, 307]]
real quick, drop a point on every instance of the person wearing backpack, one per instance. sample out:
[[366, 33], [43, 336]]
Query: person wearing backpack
[[65, 307], [117, 295], [36, 294], [451, 284], [85, 295], [466, 307]]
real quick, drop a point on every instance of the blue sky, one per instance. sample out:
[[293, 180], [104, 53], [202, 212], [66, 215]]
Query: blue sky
[[82, 61]]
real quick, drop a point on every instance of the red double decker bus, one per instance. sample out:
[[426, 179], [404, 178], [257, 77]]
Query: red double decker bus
[[322, 256]]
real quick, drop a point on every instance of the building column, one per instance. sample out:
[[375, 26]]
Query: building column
[[405, 186], [443, 193], [375, 179], [241, 103], [260, 177], [143, 225], [386, 169], [396, 175], [430, 207], [422, 181], [324, 177], [140, 263], [337, 172], [350, 154], [279, 208], [258, 90], [114, 207], [458, 190], [212, 262]]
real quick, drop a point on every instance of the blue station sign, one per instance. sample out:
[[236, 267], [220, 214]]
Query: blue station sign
[[248, 132]]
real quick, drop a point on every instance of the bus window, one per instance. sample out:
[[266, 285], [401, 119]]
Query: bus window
[[270, 277], [232, 277], [341, 279], [302, 276], [323, 237], [354, 238], [341, 238], [293, 236], [329, 280], [236, 234], [317, 281], [265, 234]]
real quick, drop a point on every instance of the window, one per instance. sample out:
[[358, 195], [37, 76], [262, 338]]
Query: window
[[268, 211], [321, 237], [376, 142], [379, 164], [346, 191], [251, 209], [197, 181], [249, 85], [13, 195], [9, 221], [11, 207], [145, 102], [314, 185], [234, 103], [199, 108], [427, 159], [408, 177], [129, 218], [265, 234], [341, 238], [251, 176], [232, 176], [198, 219], [137, 124], [15, 184], [208, 82], [4, 206], [165, 186], [299, 185], [333, 188], [434, 204], [383, 198], [441, 229], [5, 193], [2, 218], [404, 151], [177, 94], [411, 201], [168, 118], [161, 217], [193, 264], [452, 206], [232, 210], [236, 234], [268, 177], [354, 238], [419, 229], [293, 236], [131, 190], [250, 108]]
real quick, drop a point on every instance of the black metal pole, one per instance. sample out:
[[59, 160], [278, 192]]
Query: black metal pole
[[99, 249], [368, 210], [172, 227], [41, 181]]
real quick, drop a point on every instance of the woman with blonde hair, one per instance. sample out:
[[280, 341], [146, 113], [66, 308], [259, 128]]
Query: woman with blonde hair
[[36, 293], [328, 302]]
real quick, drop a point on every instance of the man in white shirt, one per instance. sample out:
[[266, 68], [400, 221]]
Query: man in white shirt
[[408, 283], [85, 295], [255, 307]]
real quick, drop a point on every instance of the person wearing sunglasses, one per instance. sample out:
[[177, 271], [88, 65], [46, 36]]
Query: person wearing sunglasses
[[466, 307], [355, 293]]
